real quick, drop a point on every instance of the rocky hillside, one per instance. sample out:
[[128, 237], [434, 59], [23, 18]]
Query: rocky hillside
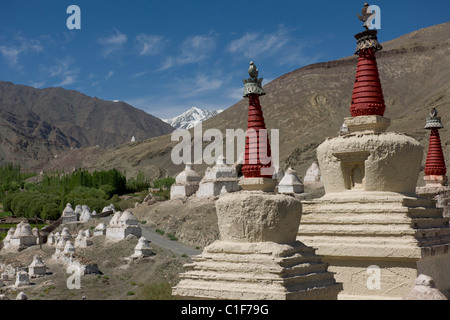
[[37, 124], [309, 104]]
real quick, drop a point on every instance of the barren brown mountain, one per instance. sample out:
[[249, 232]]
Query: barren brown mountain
[[37, 124], [309, 104]]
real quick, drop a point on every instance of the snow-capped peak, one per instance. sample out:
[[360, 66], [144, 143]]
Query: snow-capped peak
[[191, 118]]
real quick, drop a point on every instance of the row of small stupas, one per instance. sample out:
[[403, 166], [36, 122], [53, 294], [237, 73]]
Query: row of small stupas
[[374, 237], [222, 179], [82, 213]]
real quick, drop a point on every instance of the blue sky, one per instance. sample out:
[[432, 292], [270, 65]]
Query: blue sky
[[167, 56]]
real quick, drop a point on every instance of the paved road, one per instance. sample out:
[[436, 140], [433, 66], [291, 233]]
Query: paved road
[[163, 242]]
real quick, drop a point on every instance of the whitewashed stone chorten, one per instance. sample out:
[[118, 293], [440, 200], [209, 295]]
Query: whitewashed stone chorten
[[22, 279], [142, 249], [122, 225], [100, 229], [186, 183], [68, 214], [216, 178], [290, 183], [22, 237], [312, 174], [37, 267], [7, 240], [82, 241]]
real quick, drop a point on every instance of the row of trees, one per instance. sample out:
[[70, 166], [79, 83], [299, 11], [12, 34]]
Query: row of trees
[[12, 179], [48, 198]]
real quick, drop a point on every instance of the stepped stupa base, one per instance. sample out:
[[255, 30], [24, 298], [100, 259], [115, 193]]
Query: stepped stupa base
[[257, 271], [257, 256], [377, 243]]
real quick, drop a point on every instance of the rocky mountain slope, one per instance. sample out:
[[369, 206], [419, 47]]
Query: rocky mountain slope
[[191, 118], [37, 124], [309, 104]]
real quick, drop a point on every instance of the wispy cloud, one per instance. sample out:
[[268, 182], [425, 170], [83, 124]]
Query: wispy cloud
[[113, 43], [63, 70], [150, 45], [12, 52], [198, 85], [280, 43], [254, 44], [139, 74], [109, 75], [193, 50]]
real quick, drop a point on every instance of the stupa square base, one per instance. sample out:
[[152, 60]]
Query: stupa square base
[[358, 232], [367, 124], [258, 184]]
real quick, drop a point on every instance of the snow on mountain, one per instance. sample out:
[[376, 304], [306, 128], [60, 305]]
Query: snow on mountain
[[191, 118]]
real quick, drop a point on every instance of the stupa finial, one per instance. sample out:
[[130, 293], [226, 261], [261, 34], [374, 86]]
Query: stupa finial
[[367, 16], [433, 113], [253, 71], [253, 85], [434, 121]]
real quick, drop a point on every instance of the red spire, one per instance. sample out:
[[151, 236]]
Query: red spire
[[367, 96], [435, 164], [257, 148], [257, 161]]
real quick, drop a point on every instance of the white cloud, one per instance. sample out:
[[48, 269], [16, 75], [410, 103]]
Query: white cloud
[[109, 75], [150, 45], [280, 44], [139, 74], [193, 50], [67, 80], [113, 42], [11, 53], [64, 70], [196, 48], [193, 87]]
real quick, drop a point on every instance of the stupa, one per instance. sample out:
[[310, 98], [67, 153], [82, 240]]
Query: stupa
[[37, 267], [23, 237], [68, 214], [257, 256], [312, 174], [291, 183], [436, 182], [122, 225], [186, 183], [371, 228], [216, 178]]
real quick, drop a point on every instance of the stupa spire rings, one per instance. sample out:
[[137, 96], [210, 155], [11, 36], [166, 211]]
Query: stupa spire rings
[[253, 85]]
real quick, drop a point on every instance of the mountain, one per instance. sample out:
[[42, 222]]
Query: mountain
[[309, 104], [38, 124], [191, 118]]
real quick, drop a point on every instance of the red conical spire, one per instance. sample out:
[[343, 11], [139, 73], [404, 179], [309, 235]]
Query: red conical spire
[[367, 96], [257, 146], [435, 164], [257, 161]]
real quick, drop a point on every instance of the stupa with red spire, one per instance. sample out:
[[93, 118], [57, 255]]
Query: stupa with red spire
[[257, 167], [370, 214], [367, 97], [435, 168]]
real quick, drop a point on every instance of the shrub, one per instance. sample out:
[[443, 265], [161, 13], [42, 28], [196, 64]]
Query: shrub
[[156, 291], [165, 182]]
